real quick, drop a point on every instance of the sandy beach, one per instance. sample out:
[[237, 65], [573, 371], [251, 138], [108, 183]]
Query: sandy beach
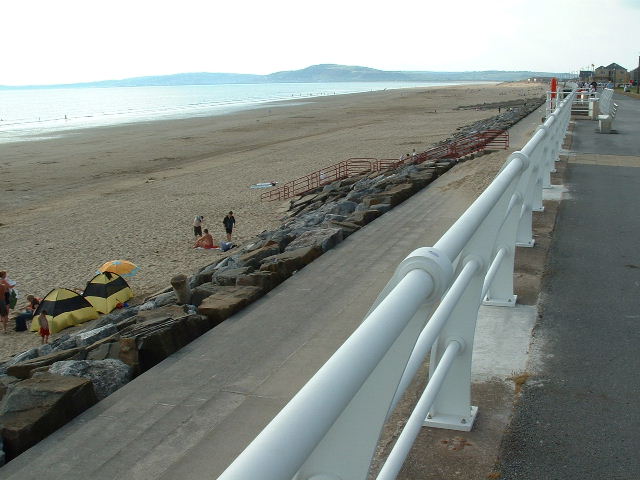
[[71, 203]]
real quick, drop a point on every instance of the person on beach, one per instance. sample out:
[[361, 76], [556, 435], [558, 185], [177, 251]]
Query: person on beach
[[9, 295], [4, 307], [44, 327], [205, 241], [229, 222], [27, 313], [197, 226]]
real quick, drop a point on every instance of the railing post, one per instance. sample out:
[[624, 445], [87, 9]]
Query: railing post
[[498, 287], [524, 235], [452, 408], [539, 157]]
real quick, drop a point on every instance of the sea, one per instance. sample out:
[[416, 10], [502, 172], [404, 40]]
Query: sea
[[45, 113]]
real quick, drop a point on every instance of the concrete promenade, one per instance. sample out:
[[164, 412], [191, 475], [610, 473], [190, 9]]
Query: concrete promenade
[[579, 415], [189, 416]]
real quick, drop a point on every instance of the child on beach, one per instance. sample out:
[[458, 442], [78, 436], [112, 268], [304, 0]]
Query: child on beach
[[44, 327]]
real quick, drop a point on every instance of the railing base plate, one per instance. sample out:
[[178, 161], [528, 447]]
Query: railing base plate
[[452, 422], [528, 244], [499, 302]]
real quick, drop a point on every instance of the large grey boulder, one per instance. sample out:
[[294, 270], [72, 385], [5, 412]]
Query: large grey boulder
[[103, 349], [364, 217], [64, 342], [311, 219], [325, 238], [106, 375], [342, 207], [253, 258], [264, 280], [227, 277], [381, 207], [334, 218], [167, 298], [147, 343], [23, 357], [281, 236], [25, 368], [34, 408], [288, 262], [45, 349], [5, 382], [92, 336], [227, 301], [203, 291], [117, 316], [204, 275]]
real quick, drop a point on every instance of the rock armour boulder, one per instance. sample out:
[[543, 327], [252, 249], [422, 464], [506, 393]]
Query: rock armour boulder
[[34, 408]]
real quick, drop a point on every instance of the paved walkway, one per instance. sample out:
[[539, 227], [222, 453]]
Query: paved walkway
[[579, 415], [189, 416]]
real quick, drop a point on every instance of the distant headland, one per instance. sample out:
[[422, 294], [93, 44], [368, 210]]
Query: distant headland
[[313, 74]]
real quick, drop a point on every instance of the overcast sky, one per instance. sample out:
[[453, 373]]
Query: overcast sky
[[66, 41]]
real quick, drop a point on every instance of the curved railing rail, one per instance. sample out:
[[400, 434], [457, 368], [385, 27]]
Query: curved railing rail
[[330, 429]]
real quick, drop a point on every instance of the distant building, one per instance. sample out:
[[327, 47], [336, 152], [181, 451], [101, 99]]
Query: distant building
[[611, 73], [586, 75]]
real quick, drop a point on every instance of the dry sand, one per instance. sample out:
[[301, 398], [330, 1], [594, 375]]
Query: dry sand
[[71, 203]]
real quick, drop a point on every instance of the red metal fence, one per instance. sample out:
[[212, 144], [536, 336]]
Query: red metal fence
[[488, 139]]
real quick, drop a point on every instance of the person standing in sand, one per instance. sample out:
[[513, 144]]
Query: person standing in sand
[[4, 307], [8, 291], [44, 327], [197, 225], [229, 222]]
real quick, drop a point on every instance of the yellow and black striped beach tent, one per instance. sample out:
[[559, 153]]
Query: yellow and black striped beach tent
[[64, 308], [106, 290]]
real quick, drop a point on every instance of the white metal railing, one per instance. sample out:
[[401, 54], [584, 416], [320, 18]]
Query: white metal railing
[[330, 429]]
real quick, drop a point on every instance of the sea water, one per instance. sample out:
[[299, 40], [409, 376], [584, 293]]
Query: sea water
[[35, 114]]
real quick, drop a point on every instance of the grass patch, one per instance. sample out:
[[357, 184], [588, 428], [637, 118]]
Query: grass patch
[[631, 94]]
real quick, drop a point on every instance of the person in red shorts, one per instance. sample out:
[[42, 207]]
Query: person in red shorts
[[44, 327], [205, 241]]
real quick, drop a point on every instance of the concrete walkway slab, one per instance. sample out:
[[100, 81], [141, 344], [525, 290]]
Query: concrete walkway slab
[[502, 342]]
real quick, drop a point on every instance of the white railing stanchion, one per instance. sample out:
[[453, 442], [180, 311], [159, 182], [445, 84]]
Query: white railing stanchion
[[432, 330], [403, 445], [524, 233], [452, 407]]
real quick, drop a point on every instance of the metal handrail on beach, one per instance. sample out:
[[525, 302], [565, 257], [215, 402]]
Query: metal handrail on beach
[[330, 429], [460, 147]]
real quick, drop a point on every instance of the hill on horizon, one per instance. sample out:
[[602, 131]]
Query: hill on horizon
[[313, 74]]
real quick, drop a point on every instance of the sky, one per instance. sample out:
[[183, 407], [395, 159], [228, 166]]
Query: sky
[[69, 41]]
